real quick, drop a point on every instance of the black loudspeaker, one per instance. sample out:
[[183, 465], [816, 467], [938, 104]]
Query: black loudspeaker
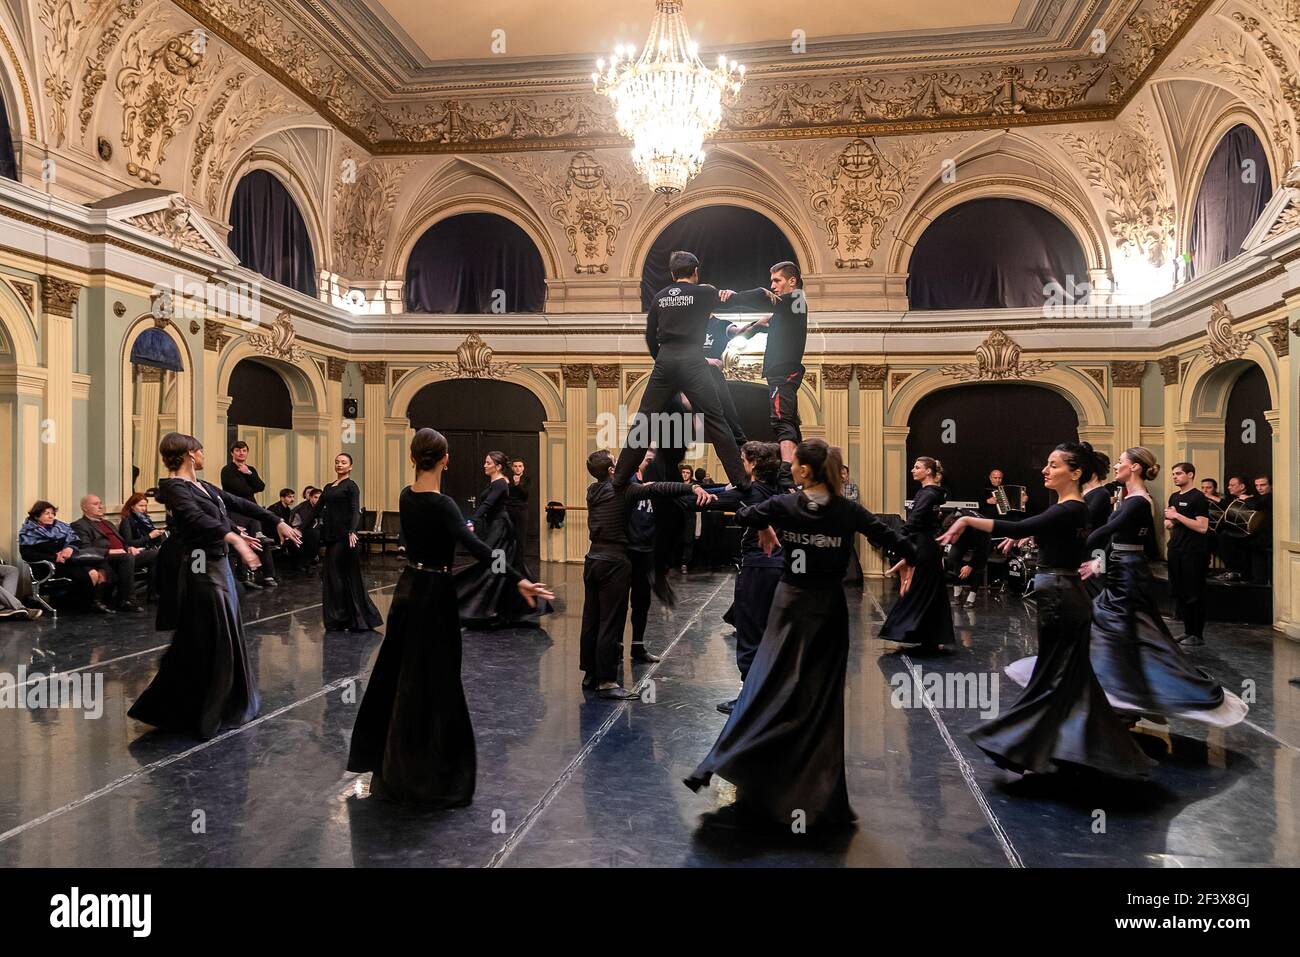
[[349, 408]]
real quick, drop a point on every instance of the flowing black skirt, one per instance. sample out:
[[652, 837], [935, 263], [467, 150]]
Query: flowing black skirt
[[486, 597], [1062, 717], [923, 615], [413, 728], [1135, 658], [783, 746], [345, 606], [205, 679]]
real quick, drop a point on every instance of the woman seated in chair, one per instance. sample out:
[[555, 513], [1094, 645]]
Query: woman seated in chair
[[43, 538], [138, 530]]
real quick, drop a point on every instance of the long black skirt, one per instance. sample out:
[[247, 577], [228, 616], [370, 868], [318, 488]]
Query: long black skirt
[[345, 606], [205, 679], [413, 728], [1062, 717], [783, 746], [922, 616], [486, 597], [1134, 656]]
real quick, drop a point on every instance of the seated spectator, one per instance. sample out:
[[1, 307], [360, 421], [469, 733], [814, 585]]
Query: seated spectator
[[284, 507], [101, 538], [10, 607], [138, 530], [43, 538]]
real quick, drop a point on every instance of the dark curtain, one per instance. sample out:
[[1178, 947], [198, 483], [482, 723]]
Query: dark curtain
[[1226, 206], [994, 254], [973, 429], [268, 233], [8, 160], [459, 263], [155, 348], [259, 397], [1247, 436], [736, 247], [476, 405]]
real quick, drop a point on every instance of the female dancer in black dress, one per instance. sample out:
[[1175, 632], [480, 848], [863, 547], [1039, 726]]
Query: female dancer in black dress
[[345, 605], [413, 728], [1100, 501], [1140, 666], [783, 746], [485, 599], [205, 679], [1063, 717], [923, 616]]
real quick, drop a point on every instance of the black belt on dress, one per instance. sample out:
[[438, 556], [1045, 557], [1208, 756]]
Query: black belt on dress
[[435, 569], [1063, 572], [1128, 548]]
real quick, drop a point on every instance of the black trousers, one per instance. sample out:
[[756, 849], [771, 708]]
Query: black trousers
[[728, 405], [783, 396], [681, 367], [642, 572], [1187, 568], [604, 615], [123, 568]]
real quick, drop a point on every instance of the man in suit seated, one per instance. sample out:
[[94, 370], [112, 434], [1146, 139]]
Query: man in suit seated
[[101, 538]]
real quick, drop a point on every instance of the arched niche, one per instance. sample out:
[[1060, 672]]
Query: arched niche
[[1229, 197], [474, 263], [269, 232], [966, 427], [736, 246], [1079, 392], [154, 400], [994, 253]]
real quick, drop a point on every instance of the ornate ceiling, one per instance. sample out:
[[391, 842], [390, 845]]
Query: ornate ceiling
[[407, 76]]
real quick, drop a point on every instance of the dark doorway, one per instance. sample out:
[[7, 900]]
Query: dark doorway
[[1247, 436], [479, 416], [1012, 427], [259, 397]]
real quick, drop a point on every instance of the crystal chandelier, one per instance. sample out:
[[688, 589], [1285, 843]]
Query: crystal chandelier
[[667, 101]]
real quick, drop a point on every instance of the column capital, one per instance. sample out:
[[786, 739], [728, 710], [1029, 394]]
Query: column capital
[[1169, 368], [1280, 336], [606, 375], [59, 296], [837, 376], [374, 373], [871, 377], [576, 375], [335, 367], [1127, 375], [214, 335]]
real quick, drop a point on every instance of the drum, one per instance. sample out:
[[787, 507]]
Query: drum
[[1240, 520]]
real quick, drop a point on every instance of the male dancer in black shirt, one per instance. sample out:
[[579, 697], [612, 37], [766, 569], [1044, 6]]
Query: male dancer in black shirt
[[787, 334], [675, 328], [1188, 515], [641, 556]]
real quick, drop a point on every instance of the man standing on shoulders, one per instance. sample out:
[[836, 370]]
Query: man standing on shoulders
[[1188, 515]]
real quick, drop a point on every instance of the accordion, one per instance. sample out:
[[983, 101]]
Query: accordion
[[1010, 498]]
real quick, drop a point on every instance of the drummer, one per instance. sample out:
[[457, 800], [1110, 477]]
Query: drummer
[[1234, 549]]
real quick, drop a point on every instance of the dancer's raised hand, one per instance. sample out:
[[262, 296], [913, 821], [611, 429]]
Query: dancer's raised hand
[[953, 533], [531, 591], [288, 534], [702, 497]]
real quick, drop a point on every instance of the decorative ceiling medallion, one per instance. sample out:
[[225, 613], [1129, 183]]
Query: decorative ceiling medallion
[[1224, 344], [473, 361], [281, 343], [997, 358]]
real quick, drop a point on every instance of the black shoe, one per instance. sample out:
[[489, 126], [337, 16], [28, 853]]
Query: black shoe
[[726, 707], [101, 609], [1191, 641], [617, 694], [588, 683], [129, 606], [250, 583], [643, 656], [270, 583]]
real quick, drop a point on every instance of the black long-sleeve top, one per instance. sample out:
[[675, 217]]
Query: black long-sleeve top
[[923, 517], [1100, 506], [680, 313], [816, 539], [241, 485], [1061, 533], [716, 338], [305, 515], [518, 493], [490, 503], [339, 507], [1130, 524], [641, 523], [733, 499], [434, 526], [199, 518], [787, 331], [608, 503]]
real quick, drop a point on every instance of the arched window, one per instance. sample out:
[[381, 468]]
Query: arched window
[[475, 263], [268, 234], [155, 348], [8, 160], [259, 397], [736, 248], [994, 254], [1234, 191]]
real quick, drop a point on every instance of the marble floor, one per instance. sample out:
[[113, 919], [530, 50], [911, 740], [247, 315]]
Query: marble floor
[[566, 779]]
